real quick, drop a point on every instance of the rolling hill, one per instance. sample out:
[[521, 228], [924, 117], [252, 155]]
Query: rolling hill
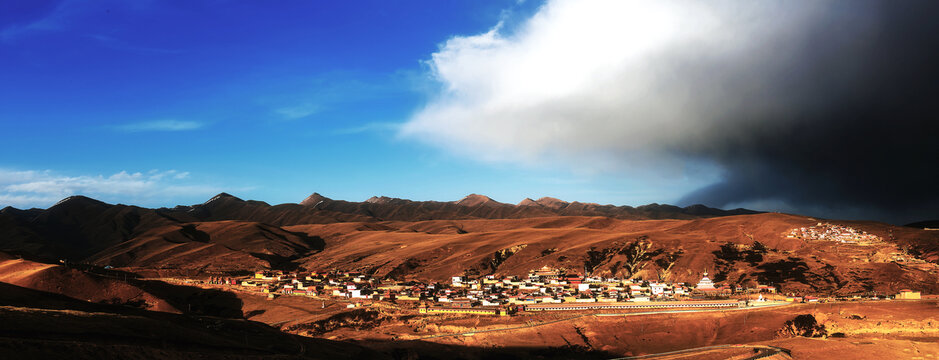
[[42, 325], [736, 249], [211, 246], [78, 226], [475, 236]]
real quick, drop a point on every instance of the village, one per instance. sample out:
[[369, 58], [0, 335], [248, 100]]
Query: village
[[544, 289], [838, 233], [857, 244]]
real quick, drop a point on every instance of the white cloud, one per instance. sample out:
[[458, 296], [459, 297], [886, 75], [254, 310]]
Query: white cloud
[[52, 21], [26, 201], [299, 111], [610, 84], [65, 15], [116, 43], [160, 125], [369, 127], [33, 188]]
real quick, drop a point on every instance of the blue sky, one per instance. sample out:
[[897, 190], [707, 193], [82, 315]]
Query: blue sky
[[162, 103], [726, 103]]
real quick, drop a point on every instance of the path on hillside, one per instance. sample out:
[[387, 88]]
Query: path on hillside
[[762, 352], [23, 269], [532, 325]]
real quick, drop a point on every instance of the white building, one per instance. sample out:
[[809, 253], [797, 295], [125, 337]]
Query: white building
[[705, 283]]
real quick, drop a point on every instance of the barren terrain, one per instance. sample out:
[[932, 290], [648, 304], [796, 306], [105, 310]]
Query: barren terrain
[[97, 280]]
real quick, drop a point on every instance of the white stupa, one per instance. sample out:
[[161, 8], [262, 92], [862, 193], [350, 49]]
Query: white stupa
[[705, 284]]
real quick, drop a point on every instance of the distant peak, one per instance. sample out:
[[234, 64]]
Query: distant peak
[[378, 200], [551, 202], [548, 202], [221, 196], [656, 207], [527, 202], [475, 200], [314, 199], [77, 199]]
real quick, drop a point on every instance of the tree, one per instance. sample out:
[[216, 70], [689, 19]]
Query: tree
[[802, 325], [637, 255], [596, 259], [666, 262], [759, 247]]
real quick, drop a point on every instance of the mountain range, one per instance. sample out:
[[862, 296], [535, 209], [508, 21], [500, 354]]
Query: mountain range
[[78, 227], [474, 236]]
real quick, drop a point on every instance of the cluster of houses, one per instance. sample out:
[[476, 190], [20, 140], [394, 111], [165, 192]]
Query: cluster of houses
[[831, 232], [544, 289], [851, 236], [491, 294]]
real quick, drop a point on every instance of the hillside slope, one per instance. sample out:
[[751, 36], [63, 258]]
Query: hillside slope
[[42, 325], [726, 246], [59, 279], [74, 228], [475, 236], [211, 246], [78, 226]]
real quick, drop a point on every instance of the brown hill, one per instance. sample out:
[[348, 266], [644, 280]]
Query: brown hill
[[475, 236], [727, 246], [227, 207], [314, 199], [930, 224], [472, 200], [59, 279], [43, 325], [211, 246], [93, 285], [75, 227], [552, 203], [78, 227], [475, 206]]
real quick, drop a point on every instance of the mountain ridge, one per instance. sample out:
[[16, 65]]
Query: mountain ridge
[[474, 236], [385, 208], [78, 227]]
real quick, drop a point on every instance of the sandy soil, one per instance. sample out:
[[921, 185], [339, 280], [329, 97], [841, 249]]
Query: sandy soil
[[860, 322], [873, 349]]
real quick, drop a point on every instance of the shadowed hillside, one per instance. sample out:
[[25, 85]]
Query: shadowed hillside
[[42, 325]]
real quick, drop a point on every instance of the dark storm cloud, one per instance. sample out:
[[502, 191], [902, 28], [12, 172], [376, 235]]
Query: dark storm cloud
[[861, 134], [820, 107]]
